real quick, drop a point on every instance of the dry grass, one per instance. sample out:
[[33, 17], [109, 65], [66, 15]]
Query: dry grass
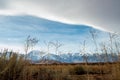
[[15, 67], [73, 72]]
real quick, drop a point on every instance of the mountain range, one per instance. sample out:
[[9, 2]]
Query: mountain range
[[36, 56]]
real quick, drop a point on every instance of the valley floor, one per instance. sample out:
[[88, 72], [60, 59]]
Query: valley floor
[[83, 71], [16, 67]]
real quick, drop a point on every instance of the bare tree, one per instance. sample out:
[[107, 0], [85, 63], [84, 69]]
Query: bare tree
[[85, 58], [83, 51], [57, 45], [113, 45], [30, 43], [48, 45], [94, 36], [97, 52]]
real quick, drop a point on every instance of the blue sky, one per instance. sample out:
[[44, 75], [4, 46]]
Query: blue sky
[[15, 29], [48, 20]]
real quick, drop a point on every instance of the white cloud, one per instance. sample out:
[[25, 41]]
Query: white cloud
[[104, 14]]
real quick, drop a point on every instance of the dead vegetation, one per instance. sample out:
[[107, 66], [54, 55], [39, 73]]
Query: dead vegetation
[[14, 66]]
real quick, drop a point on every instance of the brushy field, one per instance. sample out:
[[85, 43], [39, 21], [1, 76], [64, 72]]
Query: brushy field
[[106, 71], [14, 67]]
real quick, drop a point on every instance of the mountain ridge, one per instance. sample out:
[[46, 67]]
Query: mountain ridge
[[66, 58]]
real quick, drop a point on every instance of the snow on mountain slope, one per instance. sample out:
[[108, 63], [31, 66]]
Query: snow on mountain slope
[[37, 56]]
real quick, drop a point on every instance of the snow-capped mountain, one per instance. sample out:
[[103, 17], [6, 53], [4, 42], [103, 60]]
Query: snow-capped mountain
[[38, 56], [35, 55], [68, 57]]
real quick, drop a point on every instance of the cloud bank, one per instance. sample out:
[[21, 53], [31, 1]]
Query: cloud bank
[[103, 14]]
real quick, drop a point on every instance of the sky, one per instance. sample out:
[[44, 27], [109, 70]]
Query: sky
[[103, 14], [99, 14], [15, 29]]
